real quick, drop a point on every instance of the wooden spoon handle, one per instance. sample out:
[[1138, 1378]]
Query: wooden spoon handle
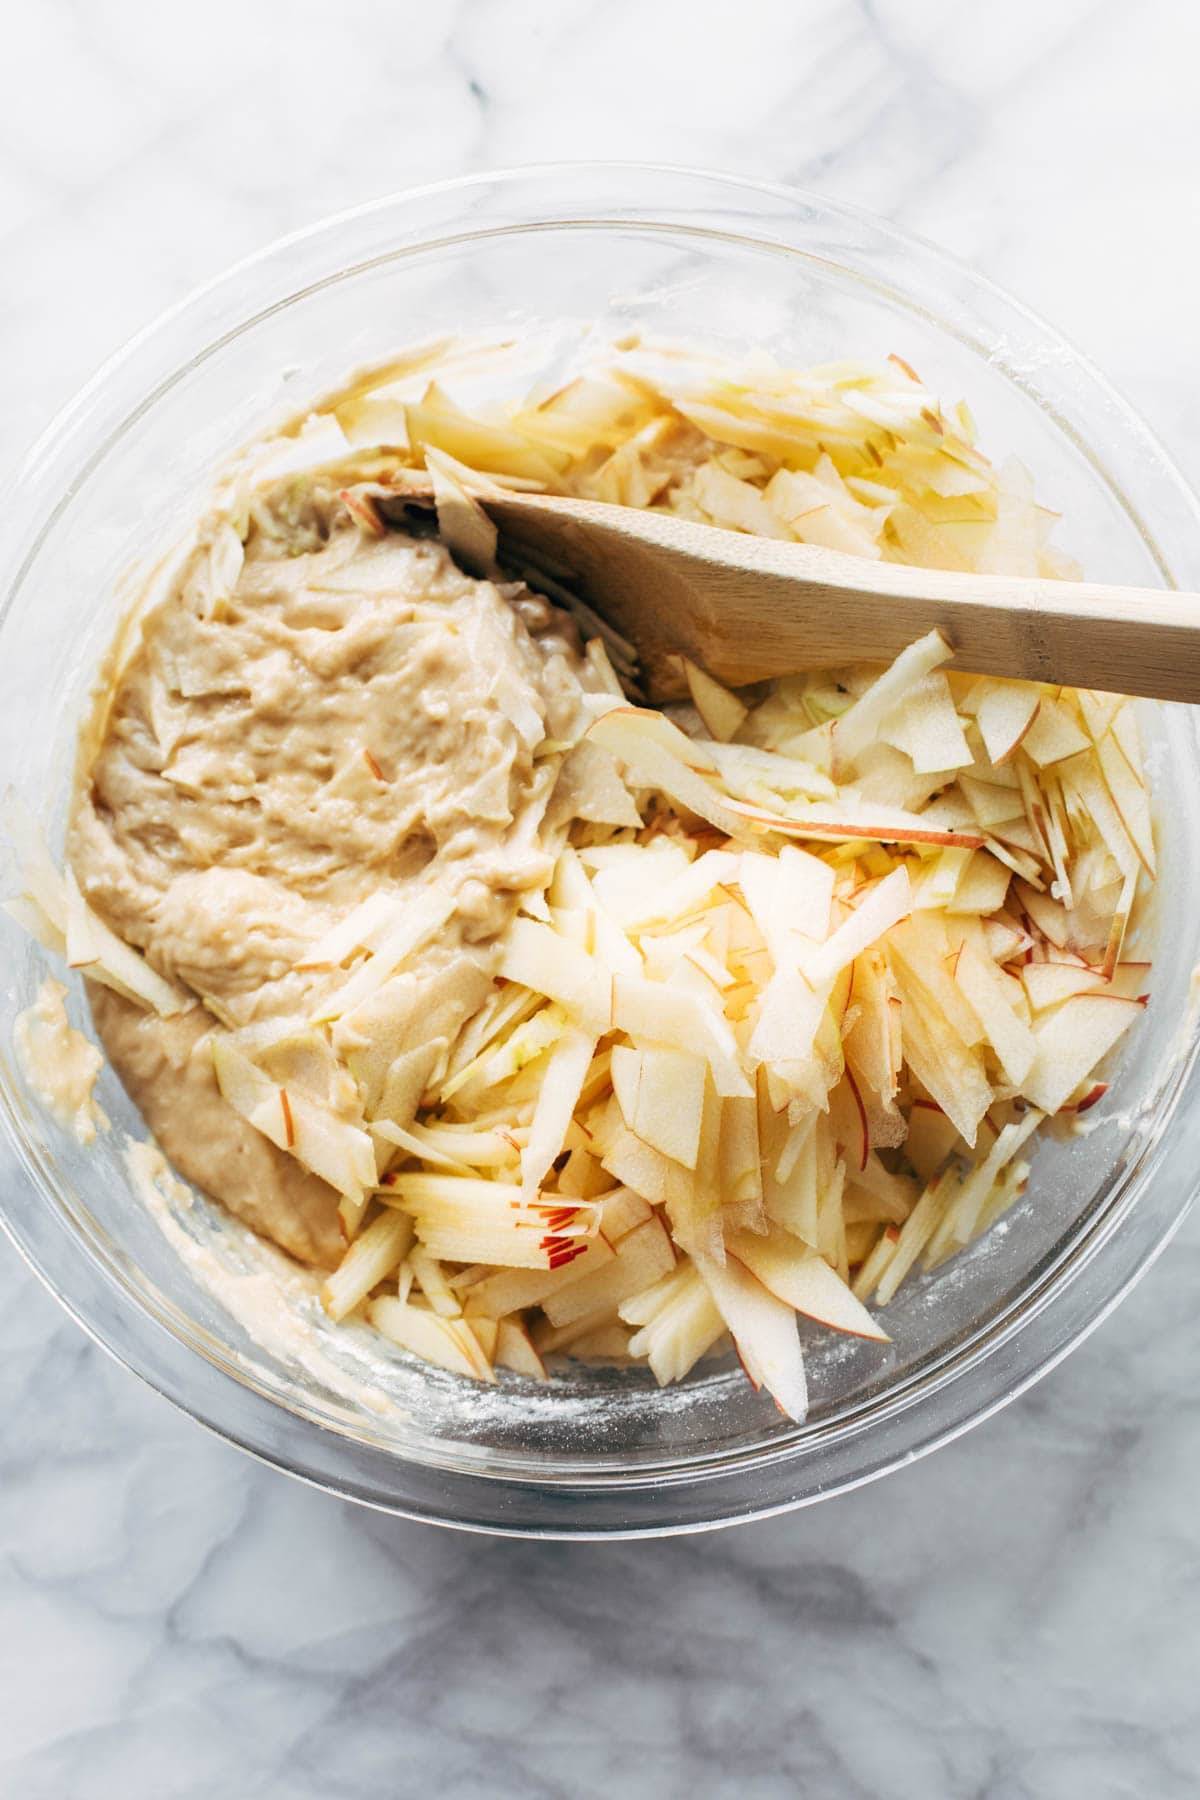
[[750, 607], [803, 606]]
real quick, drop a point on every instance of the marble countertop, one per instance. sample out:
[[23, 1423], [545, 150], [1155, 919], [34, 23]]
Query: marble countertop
[[1015, 1618]]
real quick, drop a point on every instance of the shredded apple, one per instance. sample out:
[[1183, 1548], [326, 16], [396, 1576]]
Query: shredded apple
[[803, 971]]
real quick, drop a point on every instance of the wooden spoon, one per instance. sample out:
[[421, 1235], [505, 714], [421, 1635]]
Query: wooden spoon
[[746, 607]]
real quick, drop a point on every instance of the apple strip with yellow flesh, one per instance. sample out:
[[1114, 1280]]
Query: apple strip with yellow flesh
[[95, 948], [448, 1343], [621, 1211], [1048, 984], [506, 1244], [504, 1058], [794, 901], [693, 1198], [791, 1197], [457, 1149], [721, 712], [1071, 1040], [336, 1149], [796, 1275], [1129, 795], [504, 1009], [515, 1350], [859, 726], [973, 1195], [951, 1072], [861, 1208], [883, 907], [935, 887], [911, 1239], [463, 525], [415, 923], [1098, 710], [659, 1012], [827, 822], [581, 1176], [637, 1165], [764, 1332], [1130, 980], [435, 421], [553, 1340], [789, 1018], [370, 1259], [395, 1137], [1004, 712], [739, 1164], [540, 958], [678, 1323], [867, 1276], [663, 951], [359, 929], [628, 877], [1081, 777], [986, 991], [831, 1224], [921, 948], [603, 934], [870, 1036], [749, 772], [992, 806], [1053, 735], [643, 1256], [897, 1193], [926, 726], [932, 1138], [1124, 728], [687, 891], [603, 1343], [461, 1195], [669, 762], [512, 1290], [486, 1333], [982, 885], [661, 1096], [470, 1220], [430, 1277], [562, 1081]]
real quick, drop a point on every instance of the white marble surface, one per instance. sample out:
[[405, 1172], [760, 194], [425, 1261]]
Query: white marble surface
[[1014, 1619]]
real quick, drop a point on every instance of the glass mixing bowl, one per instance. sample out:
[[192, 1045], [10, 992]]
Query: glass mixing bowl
[[178, 1293]]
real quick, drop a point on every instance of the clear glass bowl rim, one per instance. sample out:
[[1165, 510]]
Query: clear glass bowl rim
[[968, 1384]]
